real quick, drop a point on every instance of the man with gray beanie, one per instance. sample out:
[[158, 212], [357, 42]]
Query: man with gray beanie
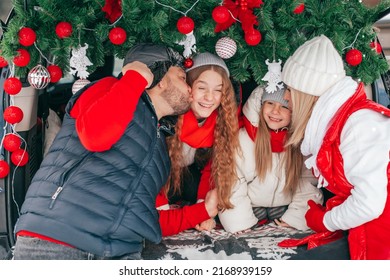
[[94, 194]]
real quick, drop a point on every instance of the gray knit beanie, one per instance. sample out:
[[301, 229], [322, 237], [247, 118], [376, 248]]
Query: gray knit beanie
[[158, 59], [207, 58], [314, 67], [276, 96]]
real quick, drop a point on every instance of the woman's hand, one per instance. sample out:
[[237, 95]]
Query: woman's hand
[[141, 68], [280, 223], [206, 225]]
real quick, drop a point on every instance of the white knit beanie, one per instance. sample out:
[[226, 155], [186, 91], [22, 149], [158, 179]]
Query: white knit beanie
[[314, 67], [207, 58]]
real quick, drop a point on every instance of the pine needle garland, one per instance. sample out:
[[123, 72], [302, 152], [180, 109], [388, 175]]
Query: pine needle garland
[[347, 23]]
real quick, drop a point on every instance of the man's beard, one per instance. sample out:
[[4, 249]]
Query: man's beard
[[178, 100]]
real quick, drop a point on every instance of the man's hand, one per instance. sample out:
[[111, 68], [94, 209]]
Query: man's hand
[[141, 68], [211, 202], [315, 217]]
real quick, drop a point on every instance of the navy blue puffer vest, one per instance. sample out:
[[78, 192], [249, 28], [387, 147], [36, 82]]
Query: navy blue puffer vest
[[103, 203]]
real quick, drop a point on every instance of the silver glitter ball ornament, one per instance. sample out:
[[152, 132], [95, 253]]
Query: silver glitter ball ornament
[[39, 77]]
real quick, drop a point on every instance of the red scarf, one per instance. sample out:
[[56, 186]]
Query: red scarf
[[195, 136], [277, 138]]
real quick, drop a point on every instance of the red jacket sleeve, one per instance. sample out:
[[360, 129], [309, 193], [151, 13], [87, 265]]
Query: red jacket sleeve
[[173, 221], [205, 181], [105, 109]]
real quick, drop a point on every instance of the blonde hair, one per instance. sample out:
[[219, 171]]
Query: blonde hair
[[292, 158], [223, 172], [302, 107]]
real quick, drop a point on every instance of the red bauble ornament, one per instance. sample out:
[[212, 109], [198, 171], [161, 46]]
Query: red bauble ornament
[[12, 86], [23, 58], [185, 25], [354, 57], [12, 142], [27, 36], [55, 73], [64, 29], [3, 62], [188, 62], [220, 14], [19, 157], [376, 46], [117, 35], [4, 169], [253, 37], [299, 9], [13, 114]]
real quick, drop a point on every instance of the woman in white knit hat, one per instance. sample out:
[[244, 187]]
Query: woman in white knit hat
[[346, 137], [270, 187], [205, 141]]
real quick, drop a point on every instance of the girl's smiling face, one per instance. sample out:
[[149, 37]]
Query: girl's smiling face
[[207, 93], [276, 115]]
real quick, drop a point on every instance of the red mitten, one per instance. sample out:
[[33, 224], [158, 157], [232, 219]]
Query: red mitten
[[315, 217]]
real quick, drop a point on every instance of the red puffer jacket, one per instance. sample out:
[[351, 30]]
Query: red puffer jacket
[[370, 240]]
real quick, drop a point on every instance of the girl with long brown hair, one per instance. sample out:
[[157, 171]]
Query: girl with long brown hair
[[205, 141], [270, 186]]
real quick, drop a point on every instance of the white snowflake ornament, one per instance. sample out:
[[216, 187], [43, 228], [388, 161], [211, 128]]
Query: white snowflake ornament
[[189, 44], [273, 76], [79, 62]]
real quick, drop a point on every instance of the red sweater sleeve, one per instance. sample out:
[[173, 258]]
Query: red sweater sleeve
[[173, 221], [205, 181], [104, 110]]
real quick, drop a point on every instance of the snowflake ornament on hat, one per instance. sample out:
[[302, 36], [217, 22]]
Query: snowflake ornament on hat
[[273, 76]]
